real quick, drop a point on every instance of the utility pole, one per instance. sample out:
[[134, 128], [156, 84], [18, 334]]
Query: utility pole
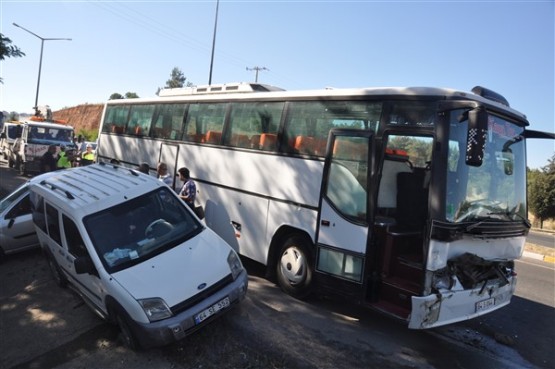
[[257, 69], [213, 42]]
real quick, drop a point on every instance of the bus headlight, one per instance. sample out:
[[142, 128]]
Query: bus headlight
[[235, 264], [155, 309]]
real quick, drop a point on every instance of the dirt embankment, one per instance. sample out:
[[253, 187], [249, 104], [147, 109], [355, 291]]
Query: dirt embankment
[[82, 117]]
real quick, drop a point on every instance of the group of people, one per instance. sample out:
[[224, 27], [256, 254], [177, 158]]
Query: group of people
[[188, 190], [66, 158]]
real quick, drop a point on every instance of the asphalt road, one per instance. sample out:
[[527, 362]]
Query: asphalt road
[[545, 239]]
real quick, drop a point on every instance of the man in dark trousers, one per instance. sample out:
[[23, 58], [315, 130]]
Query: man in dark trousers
[[48, 162]]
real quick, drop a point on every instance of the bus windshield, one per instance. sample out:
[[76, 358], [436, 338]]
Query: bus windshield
[[496, 190]]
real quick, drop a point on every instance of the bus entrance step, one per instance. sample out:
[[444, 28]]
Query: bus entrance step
[[408, 267], [391, 309], [398, 291]]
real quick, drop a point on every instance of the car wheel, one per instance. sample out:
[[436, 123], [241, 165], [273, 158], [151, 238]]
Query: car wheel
[[126, 334], [59, 277], [294, 267]]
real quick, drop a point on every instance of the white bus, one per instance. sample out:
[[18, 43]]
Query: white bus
[[411, 201]]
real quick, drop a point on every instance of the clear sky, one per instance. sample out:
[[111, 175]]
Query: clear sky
[[132, 46]]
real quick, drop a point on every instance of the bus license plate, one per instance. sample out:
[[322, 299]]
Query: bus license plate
[[205, 314], [485, 304]]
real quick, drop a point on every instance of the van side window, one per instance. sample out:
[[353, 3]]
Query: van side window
[[75, 243], [53, 224], [37, 205], [23, 208]]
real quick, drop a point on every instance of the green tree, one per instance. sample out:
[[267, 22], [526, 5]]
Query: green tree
[[131, 95], [541, 191], [7, 50], [177, 79], [116, 96]]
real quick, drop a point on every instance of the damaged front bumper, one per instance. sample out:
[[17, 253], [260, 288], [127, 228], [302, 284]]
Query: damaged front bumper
[[447, 306]]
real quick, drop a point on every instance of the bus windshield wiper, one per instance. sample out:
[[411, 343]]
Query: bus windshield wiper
[[510, 215]]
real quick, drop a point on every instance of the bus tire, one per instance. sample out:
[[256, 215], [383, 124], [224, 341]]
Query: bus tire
[[294, 267]]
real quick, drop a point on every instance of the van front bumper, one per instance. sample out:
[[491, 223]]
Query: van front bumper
[[172, 329]]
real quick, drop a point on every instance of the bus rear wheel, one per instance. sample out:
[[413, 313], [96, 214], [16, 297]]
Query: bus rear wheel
[[294, 267]]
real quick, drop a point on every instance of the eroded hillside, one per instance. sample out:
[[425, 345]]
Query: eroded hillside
[[82, 117]]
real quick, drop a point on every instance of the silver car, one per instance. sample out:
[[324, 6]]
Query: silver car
[[17, 232]]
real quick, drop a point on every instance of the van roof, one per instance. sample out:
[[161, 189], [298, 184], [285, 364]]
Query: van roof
[[47, 125], [92, 188]]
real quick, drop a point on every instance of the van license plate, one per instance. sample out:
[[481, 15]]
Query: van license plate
[[485, 304], [205, 314]]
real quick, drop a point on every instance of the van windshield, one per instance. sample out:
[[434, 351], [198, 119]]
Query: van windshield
[[50, 136], [140, 228]]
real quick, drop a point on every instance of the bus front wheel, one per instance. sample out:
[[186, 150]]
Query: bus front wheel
[[294, 267]]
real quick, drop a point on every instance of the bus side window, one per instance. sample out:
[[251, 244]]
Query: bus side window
[[169, 121], [254, 125], [116, 118]]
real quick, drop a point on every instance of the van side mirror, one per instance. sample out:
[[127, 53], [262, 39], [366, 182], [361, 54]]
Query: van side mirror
[[476, 136], [3, 135]]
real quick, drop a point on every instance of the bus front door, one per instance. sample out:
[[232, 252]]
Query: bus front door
[[343, 228]]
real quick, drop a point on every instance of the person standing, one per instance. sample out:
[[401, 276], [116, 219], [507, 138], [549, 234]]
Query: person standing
[[64, 161], [188, 192], [87, 157], [48, 162], [163, 175], [144, 168]]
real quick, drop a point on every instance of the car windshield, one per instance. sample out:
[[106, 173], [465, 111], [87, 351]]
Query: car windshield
[[8, 200], [141, 228], [496, 190]]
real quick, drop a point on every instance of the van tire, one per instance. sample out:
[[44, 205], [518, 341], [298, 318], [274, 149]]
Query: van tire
[[294, 267], [59, 277], [126, 334]]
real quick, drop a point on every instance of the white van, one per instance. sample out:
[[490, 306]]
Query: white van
[[33, 140], [7, 138], [135, 252]]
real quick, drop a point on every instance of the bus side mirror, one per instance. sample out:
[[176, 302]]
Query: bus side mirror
[[476, 136]]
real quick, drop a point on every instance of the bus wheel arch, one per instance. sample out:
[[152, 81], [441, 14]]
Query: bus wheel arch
[[293, 262]]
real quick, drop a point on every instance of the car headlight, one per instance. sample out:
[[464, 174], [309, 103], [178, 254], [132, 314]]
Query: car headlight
[[234, 264], [155, 309]]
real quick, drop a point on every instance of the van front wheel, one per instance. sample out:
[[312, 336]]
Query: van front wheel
[[126, 334], [294, 267]]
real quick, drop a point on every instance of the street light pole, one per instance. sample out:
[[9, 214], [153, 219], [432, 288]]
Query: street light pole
[[213, 42], [42, 39]]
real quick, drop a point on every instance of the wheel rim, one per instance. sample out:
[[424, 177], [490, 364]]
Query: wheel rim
[[293, 265]]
